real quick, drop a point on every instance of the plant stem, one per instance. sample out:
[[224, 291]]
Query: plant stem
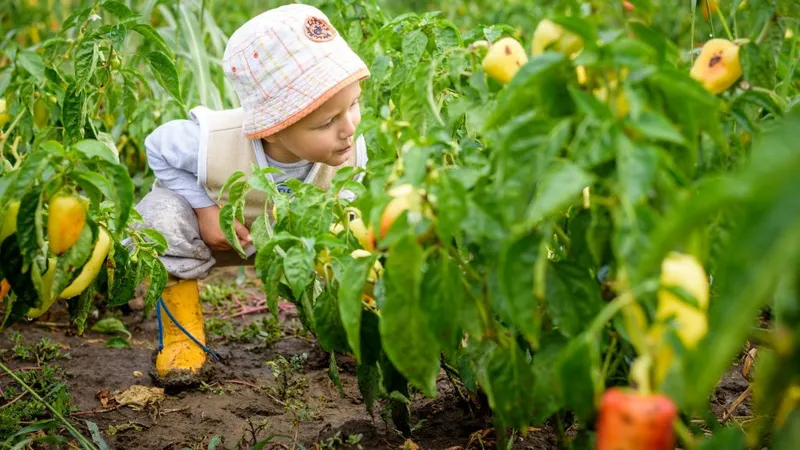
[[784, 89], [4, 135], [608, 313], [86, 444], [763, 34], [563, 236], [724, 23], [607, 362], [691, 44], [685, 435]]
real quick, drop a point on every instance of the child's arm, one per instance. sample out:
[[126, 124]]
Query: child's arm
[[172, 154], [172, 151]]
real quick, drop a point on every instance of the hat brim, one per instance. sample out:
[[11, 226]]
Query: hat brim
[[304, 95]]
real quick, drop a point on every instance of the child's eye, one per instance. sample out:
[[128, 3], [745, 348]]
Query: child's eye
[[327, 125], [355, 103]]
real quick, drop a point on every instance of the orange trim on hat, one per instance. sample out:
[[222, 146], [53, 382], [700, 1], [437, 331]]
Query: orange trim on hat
[[296, 117]]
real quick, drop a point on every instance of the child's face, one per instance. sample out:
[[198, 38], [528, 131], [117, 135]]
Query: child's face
[[325, 135]]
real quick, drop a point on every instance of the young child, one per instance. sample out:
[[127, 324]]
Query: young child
[[298, 83]]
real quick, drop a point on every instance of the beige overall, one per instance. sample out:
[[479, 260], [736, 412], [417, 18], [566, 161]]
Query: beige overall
[[223, 150]]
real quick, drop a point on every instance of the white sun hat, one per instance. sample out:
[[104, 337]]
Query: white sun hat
[[285, 63]]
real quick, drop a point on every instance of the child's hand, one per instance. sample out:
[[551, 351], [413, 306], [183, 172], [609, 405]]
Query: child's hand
[[211, 233]]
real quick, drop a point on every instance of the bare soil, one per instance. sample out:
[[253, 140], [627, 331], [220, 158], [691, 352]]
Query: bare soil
[[237, 403]]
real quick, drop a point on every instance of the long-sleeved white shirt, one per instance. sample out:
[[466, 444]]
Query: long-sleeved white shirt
[[172, 153]]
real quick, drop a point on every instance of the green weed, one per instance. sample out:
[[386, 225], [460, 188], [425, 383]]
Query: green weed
[[44, 351]]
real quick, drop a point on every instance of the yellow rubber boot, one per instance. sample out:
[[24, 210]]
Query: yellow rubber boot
[[181, 359]]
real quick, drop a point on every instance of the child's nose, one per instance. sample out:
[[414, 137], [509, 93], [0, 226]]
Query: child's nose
[[348, 128]]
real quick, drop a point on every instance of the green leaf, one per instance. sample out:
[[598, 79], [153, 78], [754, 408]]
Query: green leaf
[[157, 237], [578, 375], [351, 289], [73, 115], [97, 438], [789, 435], [237, 197], [123, 188], [151, 35], [215, 442], [259, 231], [158, 281], [117, 35], [7, 181], [369, 383], [761, 99], [452, 206], [270, 270], [546, 400], [165, 72], [328, 325], [79, 308], [756, 69], [232, 179], [578, 26], [444, 294], [228, 224], [298, 265], [560, 186], [728, 438], [76, 17], [11, 265], [87, 53], [407, 339], [589, 104], [396, 387], [371, 348], [333, 373], [507, 380], [91, 148], [117, 9], [117, 342], [33, 63], [656, 127], [110, 325], [517, 303], [679, 85], [125, 278], [72, 261], [35, 163], [96, 185], [447, 37], [519, 95], [572, 297], [36, 274], [636, 169], [414, 44], [30, 226]]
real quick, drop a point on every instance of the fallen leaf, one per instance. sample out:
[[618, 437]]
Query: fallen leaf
[[104, 396], [409, 445], [749, 359], [141, 396], [114, 429]]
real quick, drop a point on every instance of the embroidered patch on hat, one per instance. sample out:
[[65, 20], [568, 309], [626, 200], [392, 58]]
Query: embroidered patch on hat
[[318, 30]]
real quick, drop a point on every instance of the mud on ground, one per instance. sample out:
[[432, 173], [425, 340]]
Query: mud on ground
[[241, 401]]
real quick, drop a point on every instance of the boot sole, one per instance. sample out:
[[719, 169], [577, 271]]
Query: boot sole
[[179, 380]]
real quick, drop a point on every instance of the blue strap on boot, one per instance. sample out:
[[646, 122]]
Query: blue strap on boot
[[161, 304]]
